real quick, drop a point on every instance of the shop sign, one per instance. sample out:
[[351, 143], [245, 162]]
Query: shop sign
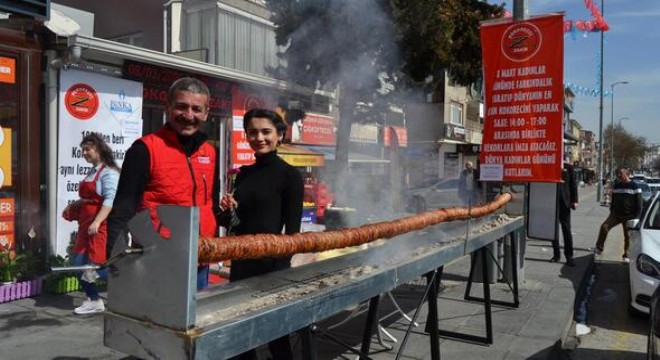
[[5, 158], [362, 133], [300, 157], [523, 82], [241, 153], [117, 117], [468, 149], [7, 70], [318, 130], [454, 132], [300, 160], [7, 216], [157, 81], [81, 101], [401, 135]]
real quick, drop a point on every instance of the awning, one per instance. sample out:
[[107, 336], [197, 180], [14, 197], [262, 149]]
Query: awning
[[450, 141], [353, 157], [299, 156]]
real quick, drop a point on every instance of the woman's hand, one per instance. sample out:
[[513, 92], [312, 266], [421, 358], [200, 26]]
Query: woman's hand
[[228, 202], [93, 228]]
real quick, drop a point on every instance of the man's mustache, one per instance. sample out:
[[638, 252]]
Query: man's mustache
[[184, 119]]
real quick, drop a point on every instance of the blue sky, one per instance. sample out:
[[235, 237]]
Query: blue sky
[[632, 51]]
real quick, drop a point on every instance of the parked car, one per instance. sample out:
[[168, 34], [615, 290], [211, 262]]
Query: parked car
[[638, 177], [654, 184], [443, 193], [647, 193], [653, 344], [645, 252]]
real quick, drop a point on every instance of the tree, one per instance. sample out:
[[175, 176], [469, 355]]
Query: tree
[[352, 46], [629, 150], [655, 165], [439, 36]]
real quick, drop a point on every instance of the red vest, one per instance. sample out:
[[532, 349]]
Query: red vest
[[177, 180]]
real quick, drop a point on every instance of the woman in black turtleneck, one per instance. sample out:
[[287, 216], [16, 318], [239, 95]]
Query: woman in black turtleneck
[[268, 199]]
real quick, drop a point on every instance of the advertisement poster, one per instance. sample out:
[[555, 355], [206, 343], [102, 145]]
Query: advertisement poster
[[5, 157], [523, 77], [90, 102]]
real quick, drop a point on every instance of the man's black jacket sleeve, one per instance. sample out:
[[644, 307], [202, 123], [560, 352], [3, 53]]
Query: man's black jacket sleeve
[[132, 182]]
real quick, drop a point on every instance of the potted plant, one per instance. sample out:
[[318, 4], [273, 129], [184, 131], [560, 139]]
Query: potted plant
[[18, 276], [8, 267], [61, 283]]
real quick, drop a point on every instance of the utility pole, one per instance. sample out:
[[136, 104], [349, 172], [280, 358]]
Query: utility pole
[[520, 9], [599, 188]]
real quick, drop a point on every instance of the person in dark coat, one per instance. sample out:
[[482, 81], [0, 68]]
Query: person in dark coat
[[469, 185], [567, 200], [267, 199], [626, 205]]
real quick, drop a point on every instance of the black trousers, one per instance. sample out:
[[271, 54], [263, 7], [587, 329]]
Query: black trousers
[[565, 224], [280, 348]]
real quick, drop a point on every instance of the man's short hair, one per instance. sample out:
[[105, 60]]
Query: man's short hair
[[193, 85]]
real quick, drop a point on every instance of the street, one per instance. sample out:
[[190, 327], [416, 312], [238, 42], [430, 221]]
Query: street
[[614, 333]]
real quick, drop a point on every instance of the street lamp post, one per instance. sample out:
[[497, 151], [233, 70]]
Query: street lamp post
[[612, 118], [599, 188], [623, 118]]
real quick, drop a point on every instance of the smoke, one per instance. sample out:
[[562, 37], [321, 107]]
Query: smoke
[[350, 46]]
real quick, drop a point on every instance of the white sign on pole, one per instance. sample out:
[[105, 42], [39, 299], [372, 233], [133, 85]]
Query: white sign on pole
[[91, 103]]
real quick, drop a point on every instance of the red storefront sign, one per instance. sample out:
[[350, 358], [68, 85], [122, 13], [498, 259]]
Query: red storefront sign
[[157, 81], [401, 135], [523, 76], [318, 130], [7, 215]]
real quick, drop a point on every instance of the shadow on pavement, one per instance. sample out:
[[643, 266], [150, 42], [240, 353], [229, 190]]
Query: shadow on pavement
[[611, 296]]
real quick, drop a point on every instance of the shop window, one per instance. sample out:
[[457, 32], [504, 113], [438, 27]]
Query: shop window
[[456, 113], [136, 39]]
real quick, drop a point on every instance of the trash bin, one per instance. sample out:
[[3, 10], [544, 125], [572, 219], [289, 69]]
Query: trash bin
[[490, 264]]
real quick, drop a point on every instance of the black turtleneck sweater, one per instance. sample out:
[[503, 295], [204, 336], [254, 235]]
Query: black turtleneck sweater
[[134, 179], [270, 197]]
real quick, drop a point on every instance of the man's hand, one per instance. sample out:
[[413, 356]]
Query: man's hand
[[574, 205]]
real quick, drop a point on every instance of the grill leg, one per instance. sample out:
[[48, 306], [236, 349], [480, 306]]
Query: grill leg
[[372, 320], [433, 281], [308, 342]]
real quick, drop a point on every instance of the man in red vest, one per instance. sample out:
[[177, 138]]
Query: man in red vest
[[172, 166]]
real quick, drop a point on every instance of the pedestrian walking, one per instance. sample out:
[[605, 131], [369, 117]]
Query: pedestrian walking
[[626, 205], [469, 185], [97, 193]]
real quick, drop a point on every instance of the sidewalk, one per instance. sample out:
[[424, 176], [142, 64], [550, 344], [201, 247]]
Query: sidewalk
[[45, 327]]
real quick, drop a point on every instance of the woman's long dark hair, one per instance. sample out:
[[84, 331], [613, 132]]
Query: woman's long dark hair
[[103, 149]]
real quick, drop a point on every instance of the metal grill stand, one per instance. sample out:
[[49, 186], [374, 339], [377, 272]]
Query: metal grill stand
[[154, 310]]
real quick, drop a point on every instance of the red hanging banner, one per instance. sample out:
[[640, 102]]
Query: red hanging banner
[[523, 74]]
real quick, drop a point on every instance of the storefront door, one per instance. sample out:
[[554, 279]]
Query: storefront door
[[20, 144]]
